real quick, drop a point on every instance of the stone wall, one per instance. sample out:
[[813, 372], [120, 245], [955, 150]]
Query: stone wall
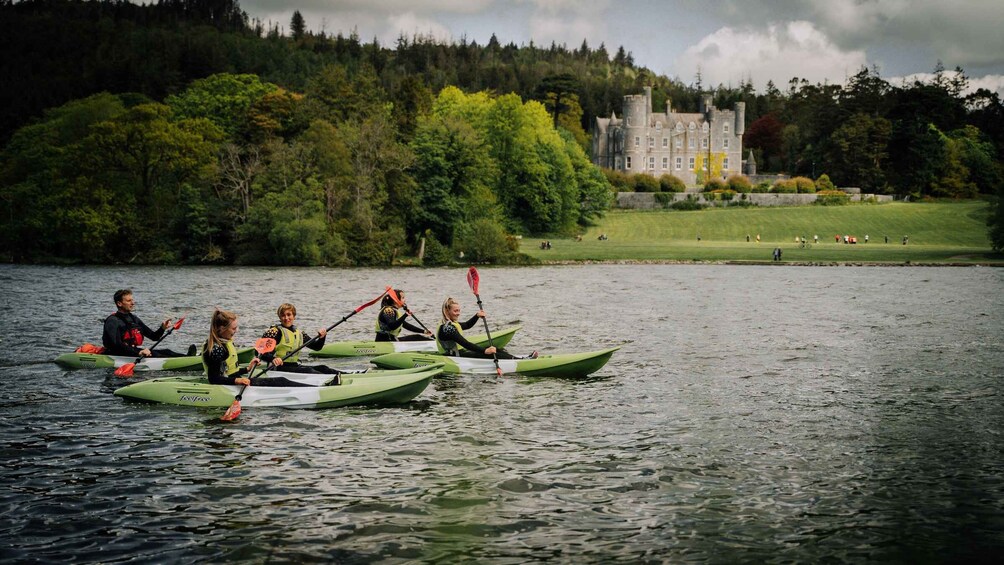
[[646, 200]]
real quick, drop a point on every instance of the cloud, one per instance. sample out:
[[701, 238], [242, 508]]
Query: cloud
[[993, 83], [409, 25], [567, 21], [962, 32], [778, 53]]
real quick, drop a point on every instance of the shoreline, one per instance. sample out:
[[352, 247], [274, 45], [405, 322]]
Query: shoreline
[[562, 262]]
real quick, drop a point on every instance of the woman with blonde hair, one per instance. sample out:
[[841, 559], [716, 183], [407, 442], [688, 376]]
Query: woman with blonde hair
[[450, 335], [219, 356]]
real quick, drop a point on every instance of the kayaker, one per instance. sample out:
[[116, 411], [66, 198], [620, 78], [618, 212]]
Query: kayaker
[[287, 338], [124, 332], [391, 319], [450, 336], [219, 356]]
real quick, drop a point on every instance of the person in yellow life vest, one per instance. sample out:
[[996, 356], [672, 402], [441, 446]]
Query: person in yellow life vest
[[391, 319], [289, 338], [219, 356], [450, 336]]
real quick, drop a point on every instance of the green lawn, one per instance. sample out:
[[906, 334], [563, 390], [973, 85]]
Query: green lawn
[[940, 232]]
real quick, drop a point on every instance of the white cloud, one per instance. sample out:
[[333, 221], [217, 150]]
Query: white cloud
[[409, 25], [778, 53], [993, 83], [567, 21]]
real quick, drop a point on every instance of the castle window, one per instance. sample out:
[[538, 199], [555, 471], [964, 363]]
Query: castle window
[[726, 128], [679, 126], [690, 141], [637, 141], [725, 164], [679, 142], [679, 163], [651, 143], [704, 126], [651, 163], [665, 142], [665, 163], [658, 126], [725, 143], [704, 143], [691, 165], [627, 161]]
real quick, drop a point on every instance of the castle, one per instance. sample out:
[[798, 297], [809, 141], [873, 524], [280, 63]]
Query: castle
[[688, 146]]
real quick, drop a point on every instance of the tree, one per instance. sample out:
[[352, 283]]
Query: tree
[[224, 99], [858, 152], [297, 26]]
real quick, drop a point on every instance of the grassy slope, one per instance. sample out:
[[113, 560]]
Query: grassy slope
[[938, 232]]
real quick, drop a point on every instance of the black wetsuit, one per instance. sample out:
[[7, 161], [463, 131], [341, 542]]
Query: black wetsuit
[[216, 368], [295, 366], [118, 325], [447, 332], [389, 321]]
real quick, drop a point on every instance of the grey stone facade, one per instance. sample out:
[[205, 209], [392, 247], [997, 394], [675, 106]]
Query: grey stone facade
[[673, 143]]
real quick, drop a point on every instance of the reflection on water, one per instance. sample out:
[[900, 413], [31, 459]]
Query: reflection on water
[[753, 414]]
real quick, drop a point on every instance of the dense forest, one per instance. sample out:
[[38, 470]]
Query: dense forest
[[183, 132]]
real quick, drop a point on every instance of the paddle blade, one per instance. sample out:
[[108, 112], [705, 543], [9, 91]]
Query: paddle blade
[[125, 370], [364, 306], [394, 297], [264, 345], [179, 322], [498, 369], [473, 279], [232, 412]]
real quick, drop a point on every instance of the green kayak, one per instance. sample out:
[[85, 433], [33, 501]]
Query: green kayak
[[558, 365], [102, 361], [371, 388], [358, 348]]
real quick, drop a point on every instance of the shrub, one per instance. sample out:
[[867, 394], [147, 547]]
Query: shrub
[[762, 187], [645, 183], [671, 183], [832, 198], [805, 185], [824, 183], [664, 198], [720, 194], [785, 186], [619, 180], [714, 184], [740, 183], [482, 240], [687, 205], [435, 253]]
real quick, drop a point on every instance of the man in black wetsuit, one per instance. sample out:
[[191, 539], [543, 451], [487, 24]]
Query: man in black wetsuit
[[124, 332]]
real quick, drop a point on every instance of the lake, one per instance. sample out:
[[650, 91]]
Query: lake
[[753, 414]]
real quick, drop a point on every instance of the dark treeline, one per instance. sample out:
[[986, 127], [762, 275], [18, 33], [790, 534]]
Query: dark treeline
[[184, 132]]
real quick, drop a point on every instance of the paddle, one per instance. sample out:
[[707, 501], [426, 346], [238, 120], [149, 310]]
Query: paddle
[[262, 346], [127, 370], [473, 279], [235, 407], [400, 304]]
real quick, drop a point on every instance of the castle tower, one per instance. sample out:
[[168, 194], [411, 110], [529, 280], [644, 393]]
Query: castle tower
[[637, 108]]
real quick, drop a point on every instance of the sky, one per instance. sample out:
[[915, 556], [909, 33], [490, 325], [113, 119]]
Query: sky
[[726, 42]]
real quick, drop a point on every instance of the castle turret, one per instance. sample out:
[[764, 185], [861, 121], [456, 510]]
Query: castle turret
[[636, 111], [740, 118]]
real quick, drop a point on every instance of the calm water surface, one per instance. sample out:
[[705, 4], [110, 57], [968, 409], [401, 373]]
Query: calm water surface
[[753, 414]]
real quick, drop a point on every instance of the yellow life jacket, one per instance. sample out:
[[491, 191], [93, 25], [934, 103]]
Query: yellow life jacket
[[231, 366], [450, 347], [394, 332], [289, 340]]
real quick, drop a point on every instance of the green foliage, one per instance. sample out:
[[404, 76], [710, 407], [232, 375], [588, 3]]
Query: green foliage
[[436, 254], [762, 187], [687, 205], [482, 241], [224, 99], [739, 183], [646, 183], [664, 198], [824, 183], [619, 180], [785, 186], [804, 185], [714, 184], [995, 221], [832, 198], [671, 183]]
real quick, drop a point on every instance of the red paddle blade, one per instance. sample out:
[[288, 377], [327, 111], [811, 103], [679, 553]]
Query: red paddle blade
[[125, 370], [473, 279], [264, 345], [368, 304], [498, 370], [232, 412], [178, 323], [394, 297]]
